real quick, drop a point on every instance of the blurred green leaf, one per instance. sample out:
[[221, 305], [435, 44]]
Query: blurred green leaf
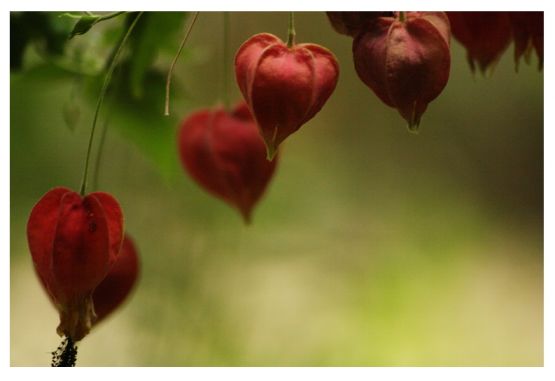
[[72, 113], [141, 120], [45, 29], [84, 24], [87, 21], [153, 30]]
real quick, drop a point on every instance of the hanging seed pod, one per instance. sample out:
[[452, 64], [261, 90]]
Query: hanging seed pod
[[224, 154], [406, 62], [528, 34], [74, 241], [119, 282], [284, 86], [485, 35], [350, 23]]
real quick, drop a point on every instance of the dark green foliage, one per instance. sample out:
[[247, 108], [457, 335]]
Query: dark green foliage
[[46, 30], [84, 24]]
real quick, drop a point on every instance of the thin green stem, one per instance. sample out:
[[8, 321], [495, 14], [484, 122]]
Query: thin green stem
[[105, 84], [170, 72], [226, 61], [111, 16], [291, 31], [99, 154], [402, 16]]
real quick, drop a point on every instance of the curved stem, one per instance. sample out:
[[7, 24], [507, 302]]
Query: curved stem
[[170, 72], [291, 31], [110, 16], [225, 61], [101, 99]]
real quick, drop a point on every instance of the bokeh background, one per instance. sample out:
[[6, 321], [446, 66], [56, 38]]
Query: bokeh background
[[371, 247]]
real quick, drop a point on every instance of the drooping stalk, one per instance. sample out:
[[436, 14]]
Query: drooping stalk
[[105, 84], [170, 72], [99, 154]]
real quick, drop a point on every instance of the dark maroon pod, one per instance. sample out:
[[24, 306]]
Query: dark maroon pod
[[120, 281], [485, 35], [284, 86], [528, 35], [405, 60], [350, 23], [74, 241], [224, 153]]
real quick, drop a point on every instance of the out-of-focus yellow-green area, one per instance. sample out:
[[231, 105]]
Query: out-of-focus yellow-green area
[[372, 246]]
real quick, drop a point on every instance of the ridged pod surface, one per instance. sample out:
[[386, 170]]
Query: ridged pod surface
[[405, 62], [485, 35], [74, 241], [224, 153], [283, 86], [119, 282], [528, 35]]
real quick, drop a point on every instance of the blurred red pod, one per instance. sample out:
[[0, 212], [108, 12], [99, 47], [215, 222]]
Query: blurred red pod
[[119, 282], [350, 23], [405, 60], [284, 86], [528, 34], [74, 241], [485, 35], [224, 153]]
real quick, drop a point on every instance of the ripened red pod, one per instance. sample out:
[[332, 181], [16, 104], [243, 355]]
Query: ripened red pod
[[527, 33], [119, 282], [350, 23], [284, 86], [224, 153], [485, 35], [74, 241], [405, 60]]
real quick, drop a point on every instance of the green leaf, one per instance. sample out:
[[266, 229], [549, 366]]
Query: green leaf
[[43, 29], [84, 24], [141, 121], [71, 113], [153, 31]]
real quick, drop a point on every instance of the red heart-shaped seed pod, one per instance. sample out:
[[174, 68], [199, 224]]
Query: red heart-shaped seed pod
[[283, 86], [223, 152], [485, 35], [74, 241], [119, 282], [527, 33], [350, 23], [406, 62]]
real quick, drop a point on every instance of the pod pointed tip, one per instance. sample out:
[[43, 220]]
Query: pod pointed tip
[[271, 151], [247, 217]]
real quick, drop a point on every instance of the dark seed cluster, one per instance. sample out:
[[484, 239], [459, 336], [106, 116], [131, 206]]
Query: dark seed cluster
[[66, 354]]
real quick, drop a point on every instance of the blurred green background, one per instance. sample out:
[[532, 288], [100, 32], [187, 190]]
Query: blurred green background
[[371, 247]]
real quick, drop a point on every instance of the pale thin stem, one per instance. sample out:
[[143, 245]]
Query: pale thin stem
[[170, 72]]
